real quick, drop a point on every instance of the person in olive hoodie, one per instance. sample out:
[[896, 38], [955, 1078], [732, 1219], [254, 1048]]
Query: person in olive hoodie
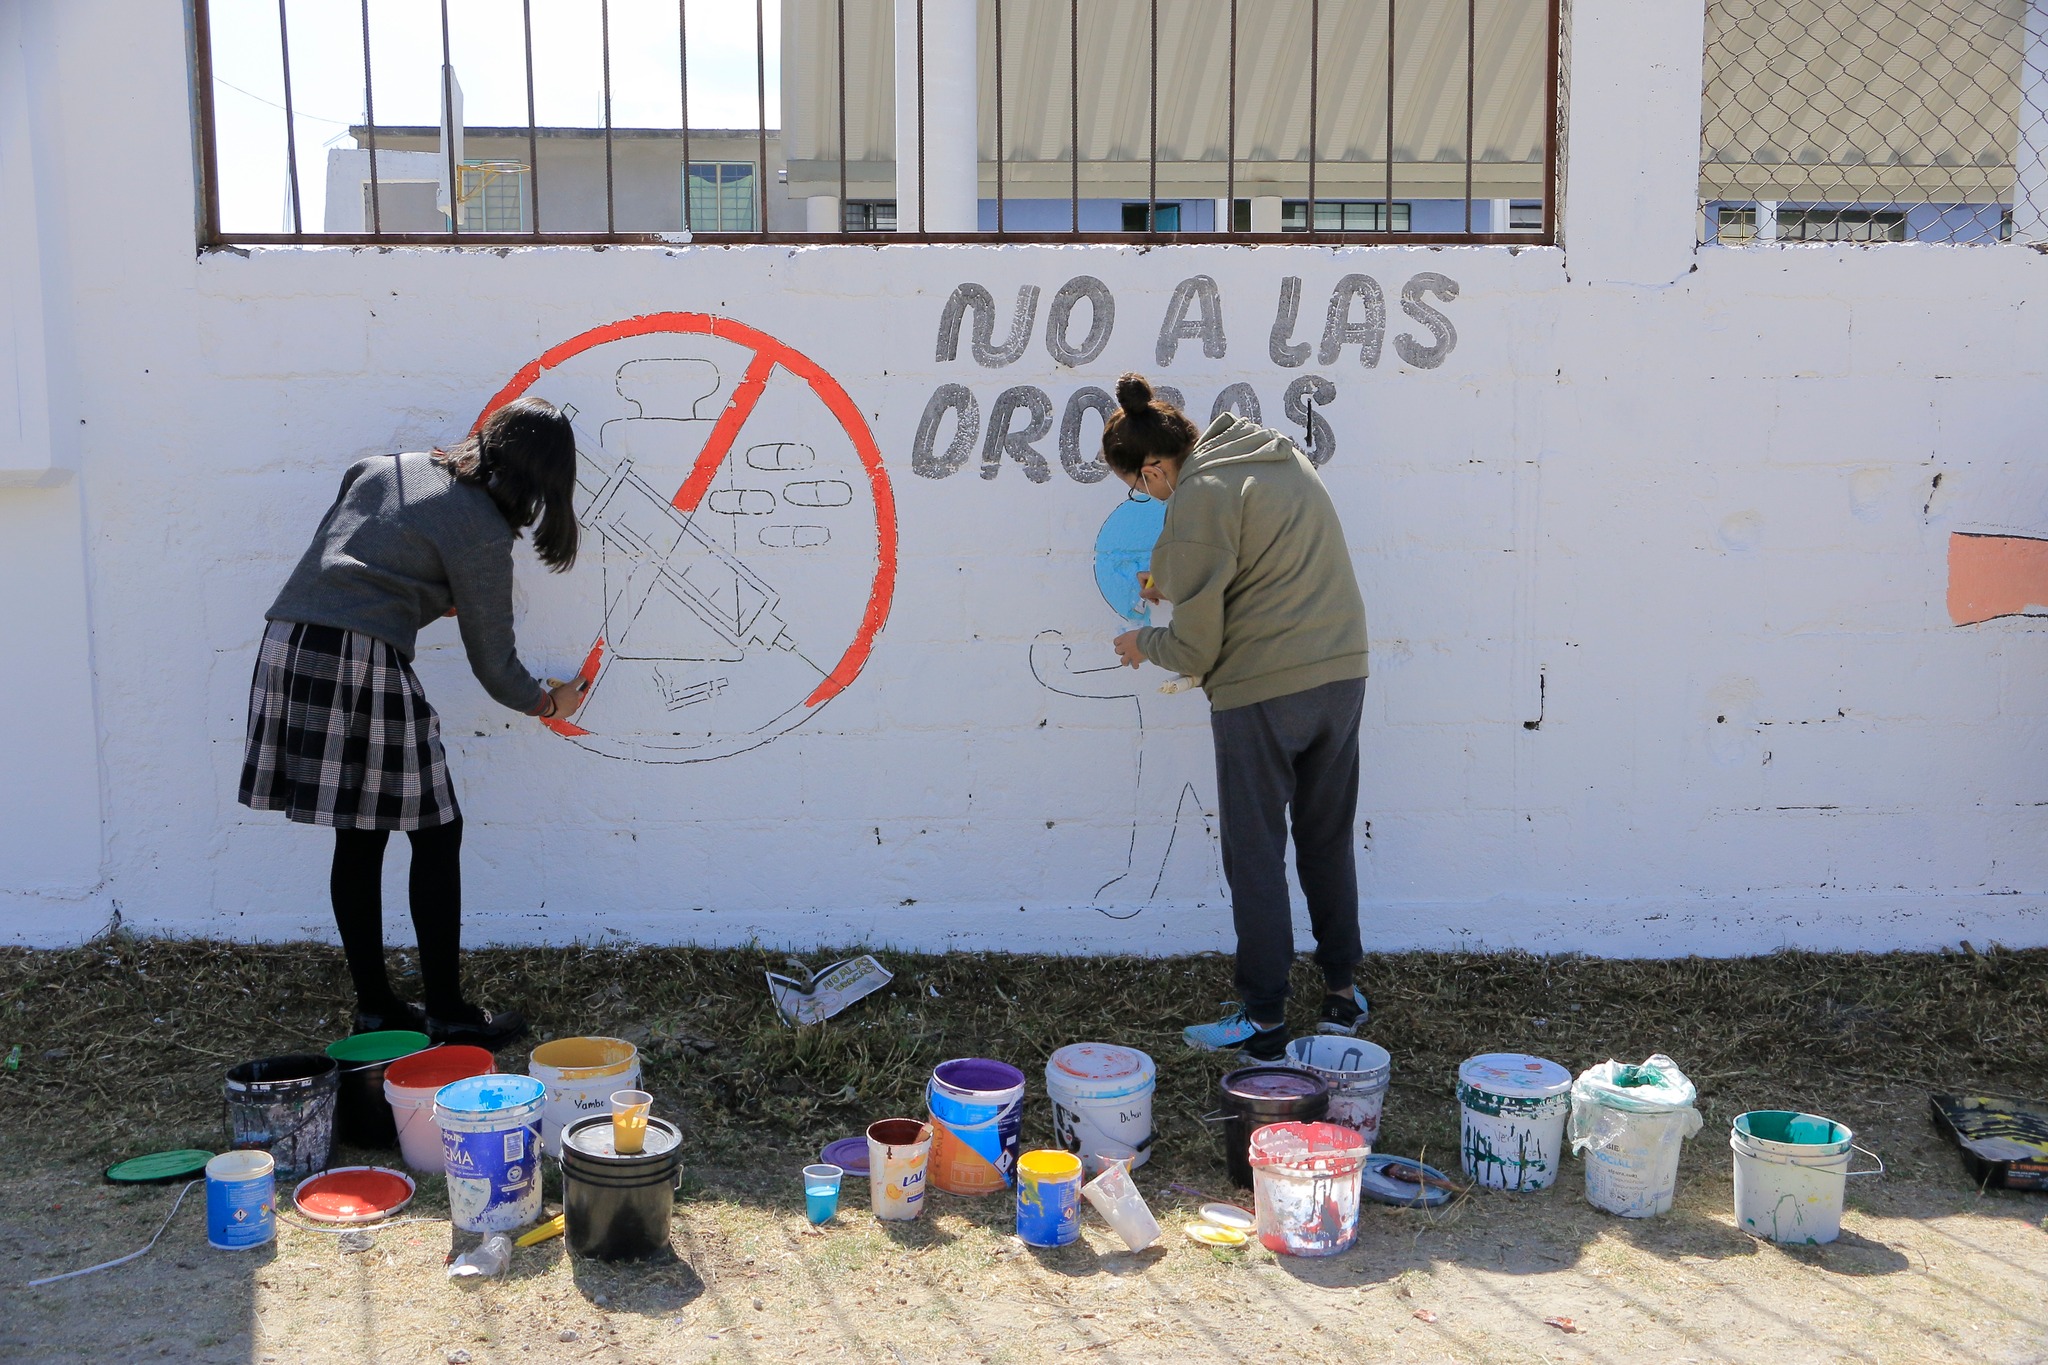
[[1267, 617]]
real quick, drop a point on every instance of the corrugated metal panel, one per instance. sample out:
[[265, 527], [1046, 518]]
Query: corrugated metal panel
[[1511, 107]]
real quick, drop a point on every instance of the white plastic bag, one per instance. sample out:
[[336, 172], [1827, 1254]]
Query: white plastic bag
[[1604, 1096]]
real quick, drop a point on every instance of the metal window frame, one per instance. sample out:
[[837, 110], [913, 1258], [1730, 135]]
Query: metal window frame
[[211, 235]]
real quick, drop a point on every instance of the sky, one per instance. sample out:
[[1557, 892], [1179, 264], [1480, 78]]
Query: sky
[[487, 49]]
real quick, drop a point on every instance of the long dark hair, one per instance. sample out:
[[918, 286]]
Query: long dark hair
[[524, 456], [1144, 428]]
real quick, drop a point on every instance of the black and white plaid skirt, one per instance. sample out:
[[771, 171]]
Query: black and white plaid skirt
[[340, 734]]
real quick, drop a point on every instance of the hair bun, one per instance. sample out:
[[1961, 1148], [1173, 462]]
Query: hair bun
[[1134, 394]]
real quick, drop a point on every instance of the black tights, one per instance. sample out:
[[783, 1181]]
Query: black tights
[[435, 890]]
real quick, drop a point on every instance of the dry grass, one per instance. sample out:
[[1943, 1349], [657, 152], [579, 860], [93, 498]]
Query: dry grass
[[132, 1035]]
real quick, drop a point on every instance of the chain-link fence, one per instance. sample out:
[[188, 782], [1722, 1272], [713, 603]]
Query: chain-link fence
[[1874, 121]]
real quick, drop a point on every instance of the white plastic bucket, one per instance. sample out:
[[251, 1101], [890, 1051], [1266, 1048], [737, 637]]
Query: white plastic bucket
[[490, 1145], [1102, 1103], [1358, 1073], [1791, 1192], [1512, 1109], [1305, 1183], [1635, 1174], [410, 1084], [580, 1075]]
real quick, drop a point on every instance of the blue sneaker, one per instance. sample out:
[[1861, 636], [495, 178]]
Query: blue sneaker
[[1236, 1030], [1343, 1016]]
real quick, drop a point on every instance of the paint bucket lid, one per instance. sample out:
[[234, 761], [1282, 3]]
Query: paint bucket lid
[[488, 1094], [386, 1045], [849, 1154], [1099, 1062], [1515, 1075], [160, 1168], [438, 1066], [1229, 1216], [1390, 1179], [592, 1137], [1212, 1235], [353, 1194], [1277, 1083]]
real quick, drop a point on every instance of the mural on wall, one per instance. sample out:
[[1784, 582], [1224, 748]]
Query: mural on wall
[[1990, 576], [1172, 849], [742, 527]]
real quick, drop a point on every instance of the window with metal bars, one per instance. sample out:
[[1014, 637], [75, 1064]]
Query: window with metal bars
[[1445, 109]]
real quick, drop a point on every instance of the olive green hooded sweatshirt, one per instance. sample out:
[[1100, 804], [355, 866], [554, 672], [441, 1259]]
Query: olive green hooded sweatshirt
[[1252, 557]]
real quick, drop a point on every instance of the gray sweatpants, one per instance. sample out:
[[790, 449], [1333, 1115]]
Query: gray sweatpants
[[1299, 751]]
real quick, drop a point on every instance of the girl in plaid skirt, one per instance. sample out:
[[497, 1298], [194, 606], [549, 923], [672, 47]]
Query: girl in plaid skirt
[[340, 733]]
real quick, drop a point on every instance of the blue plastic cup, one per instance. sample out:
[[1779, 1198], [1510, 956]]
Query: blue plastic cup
[[821, 1192]]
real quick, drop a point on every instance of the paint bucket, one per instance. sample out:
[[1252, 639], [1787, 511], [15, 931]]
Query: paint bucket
[[977, 1109], [1102, 1102], [1358, 1073], [284, 1106], [362, 1116], [1305, 1187], [1048, 1198], [1254, 1096], [1628, 1124], [241, 1200], [410, 1084], [1115, 1196], [490, 1148], [1512, 1109], [897, 1152], [614, 1207], [1790, 1173], [580, 1075]]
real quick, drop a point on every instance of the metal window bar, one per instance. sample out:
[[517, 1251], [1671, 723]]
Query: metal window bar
[[1982, 36]]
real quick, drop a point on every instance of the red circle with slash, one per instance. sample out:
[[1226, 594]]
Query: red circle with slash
[[770, 354]]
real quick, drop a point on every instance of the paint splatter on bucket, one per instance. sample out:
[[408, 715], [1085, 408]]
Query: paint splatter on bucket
[[1512, 1110], [490, 1148], [1305, 1187], [284, 1106], [1791, 1171], [1358, 1073], [1048, 1198], [977, 1109]]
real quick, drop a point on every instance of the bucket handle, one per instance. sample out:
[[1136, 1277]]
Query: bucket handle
[[1218, 1116], [365, 1066], [1872, 1155]]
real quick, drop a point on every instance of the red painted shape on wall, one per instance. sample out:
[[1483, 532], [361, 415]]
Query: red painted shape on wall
[[769, 353], [569, 728], [1991, 576]]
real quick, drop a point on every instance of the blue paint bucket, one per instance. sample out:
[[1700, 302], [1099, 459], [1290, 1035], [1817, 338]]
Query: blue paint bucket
[[241, 1200], [1048, 1198], [490, 1148]]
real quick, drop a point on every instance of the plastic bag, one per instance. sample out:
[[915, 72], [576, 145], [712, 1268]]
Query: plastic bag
[[487, 1260], [1606, 1097]]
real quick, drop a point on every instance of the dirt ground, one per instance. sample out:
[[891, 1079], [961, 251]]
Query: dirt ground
[[1929, 1267]]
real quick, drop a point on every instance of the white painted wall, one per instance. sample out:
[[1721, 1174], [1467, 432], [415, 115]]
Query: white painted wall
[[1654, 560]]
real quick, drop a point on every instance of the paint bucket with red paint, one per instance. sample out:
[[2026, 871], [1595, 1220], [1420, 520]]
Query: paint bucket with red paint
[[410, 1084], [1305, 1187]]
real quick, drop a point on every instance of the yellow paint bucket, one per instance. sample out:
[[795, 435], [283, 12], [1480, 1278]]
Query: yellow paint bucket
[[580, 1075]]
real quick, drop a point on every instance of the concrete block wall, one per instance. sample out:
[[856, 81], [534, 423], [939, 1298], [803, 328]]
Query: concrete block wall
[[1654, 554]]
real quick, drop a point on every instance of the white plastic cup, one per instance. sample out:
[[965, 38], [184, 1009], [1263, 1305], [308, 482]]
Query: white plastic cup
[[897, 1152], [629, 1120], [1115, 1196]]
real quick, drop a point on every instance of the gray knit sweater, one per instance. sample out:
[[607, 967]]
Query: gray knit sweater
[[404, 541]]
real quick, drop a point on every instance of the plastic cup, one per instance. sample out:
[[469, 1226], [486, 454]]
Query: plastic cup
[[821, 1192], [1115, 1196], [629, 1120]]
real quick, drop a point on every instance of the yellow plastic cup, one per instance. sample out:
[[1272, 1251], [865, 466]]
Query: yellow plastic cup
[[629, 1120]]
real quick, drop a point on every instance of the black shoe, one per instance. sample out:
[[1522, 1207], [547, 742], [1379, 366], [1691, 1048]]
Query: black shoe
[[399, 1014], [1266, 1045], [490, 1029], [1343, 1014]]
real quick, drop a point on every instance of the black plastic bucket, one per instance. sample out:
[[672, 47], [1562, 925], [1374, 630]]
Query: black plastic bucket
[[1254, 1096], [284, 1106], [362, 1116], [617, 1208]]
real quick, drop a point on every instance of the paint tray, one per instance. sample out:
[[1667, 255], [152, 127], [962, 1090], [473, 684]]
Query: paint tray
[[2004, 1141]]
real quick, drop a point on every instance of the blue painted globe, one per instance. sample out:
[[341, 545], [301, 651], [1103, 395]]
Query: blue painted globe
[[1123, 547]]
